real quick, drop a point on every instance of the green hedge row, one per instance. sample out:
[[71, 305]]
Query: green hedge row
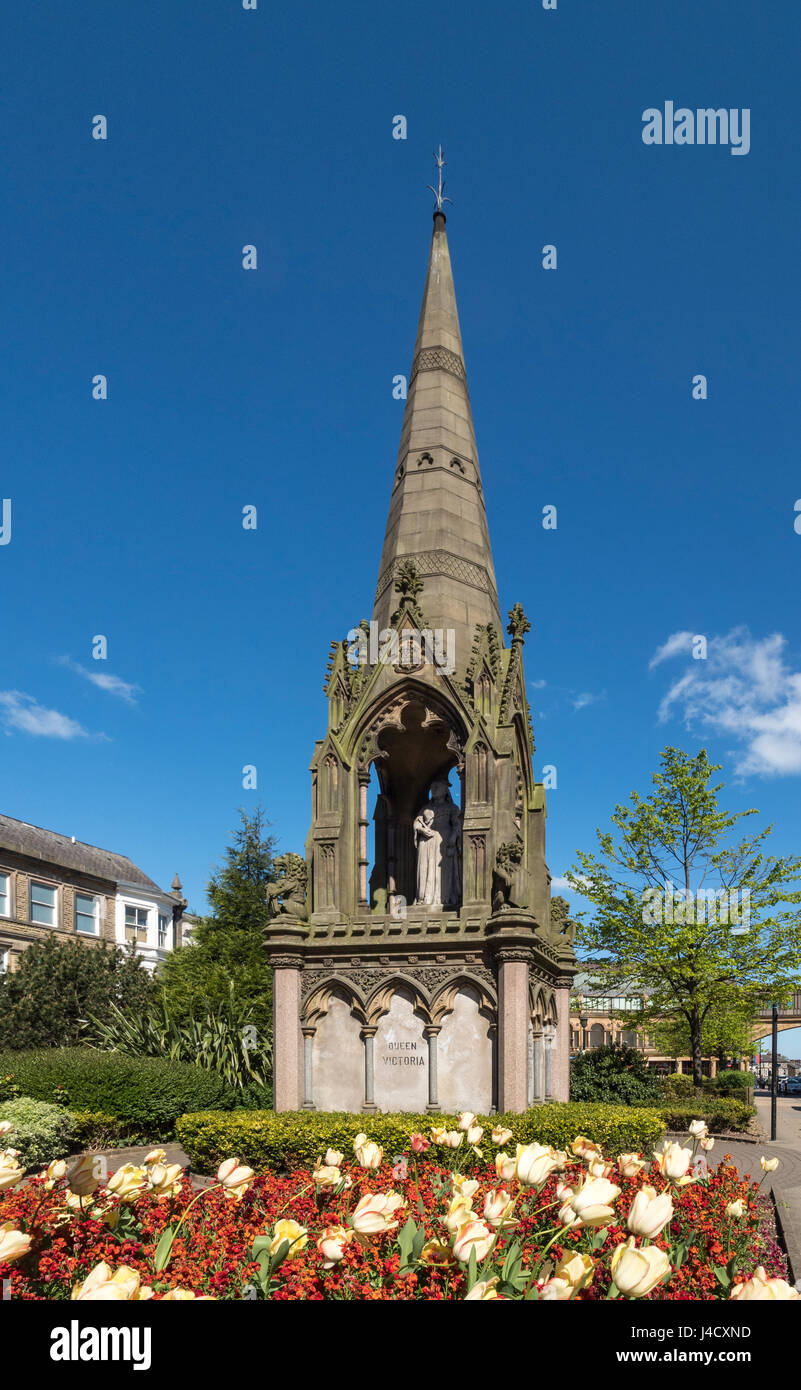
[[721, 1113], [147, 1093], [279, 1142]]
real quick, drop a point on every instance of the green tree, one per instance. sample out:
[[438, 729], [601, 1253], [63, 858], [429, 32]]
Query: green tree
[[684, 954], [726, 1031], [58, 983], [226, 969]]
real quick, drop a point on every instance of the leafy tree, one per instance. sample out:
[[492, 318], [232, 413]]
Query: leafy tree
[[726, 1031], [658, 935], [58, 983], [226, 969]]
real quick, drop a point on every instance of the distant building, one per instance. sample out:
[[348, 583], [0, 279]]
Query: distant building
[[595, 1020], [54, 885]]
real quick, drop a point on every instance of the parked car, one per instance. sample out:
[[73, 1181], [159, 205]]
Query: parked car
[[793, 1087]]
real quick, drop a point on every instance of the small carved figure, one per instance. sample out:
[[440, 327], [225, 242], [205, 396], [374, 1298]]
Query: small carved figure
[[507, 859], [286, 895], [564, 928]]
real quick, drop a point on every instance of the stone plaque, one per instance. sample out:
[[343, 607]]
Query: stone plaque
[[401, 1058]]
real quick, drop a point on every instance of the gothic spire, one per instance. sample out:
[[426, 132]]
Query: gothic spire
[[436, 515]]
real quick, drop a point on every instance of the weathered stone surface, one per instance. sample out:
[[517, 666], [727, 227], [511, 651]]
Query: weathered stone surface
[[401, 1058], [338, 1060], [464, 1057]]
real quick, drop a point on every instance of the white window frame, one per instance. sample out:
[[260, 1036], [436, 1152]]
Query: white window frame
[[5, 960], [162, 917], [43, 883], [7, 894], [141, 935], [93, 898]]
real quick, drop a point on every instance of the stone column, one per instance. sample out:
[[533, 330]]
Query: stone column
[[286, 1027], [549, 1035], [432, 1034], [368, 1038], [364, 782], [513, 1020], [538, 1089], [561, 1060], [308, 1080]]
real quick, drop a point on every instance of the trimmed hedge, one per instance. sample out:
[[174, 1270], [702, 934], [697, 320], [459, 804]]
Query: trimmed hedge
[[94, 1129], [148, 1093], [41, 1132], [280, 1142], [720, 1112]]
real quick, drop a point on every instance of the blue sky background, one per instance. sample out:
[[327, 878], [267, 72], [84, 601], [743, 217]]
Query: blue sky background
[[274, 387]]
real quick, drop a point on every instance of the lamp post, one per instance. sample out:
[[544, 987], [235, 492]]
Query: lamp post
[[774, 1074], [584, 1020]]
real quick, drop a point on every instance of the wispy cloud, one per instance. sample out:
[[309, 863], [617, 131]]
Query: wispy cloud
[[586, 697], [745, 689], [23, 713], [113, 685], [536, 685]]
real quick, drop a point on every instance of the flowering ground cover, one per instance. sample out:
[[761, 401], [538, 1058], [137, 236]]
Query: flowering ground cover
[[456, 1217]]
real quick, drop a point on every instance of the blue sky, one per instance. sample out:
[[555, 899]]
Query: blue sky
[[274, 387]]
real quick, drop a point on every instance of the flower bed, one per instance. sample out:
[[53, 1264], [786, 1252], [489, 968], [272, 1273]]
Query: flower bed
[[540, 1224]]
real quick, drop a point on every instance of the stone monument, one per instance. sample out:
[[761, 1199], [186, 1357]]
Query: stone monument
[[426, 974]]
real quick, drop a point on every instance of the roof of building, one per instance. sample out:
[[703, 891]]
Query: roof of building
[[70, 853]]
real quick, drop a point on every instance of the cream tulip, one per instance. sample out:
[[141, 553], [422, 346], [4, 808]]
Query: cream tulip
[[760, 1287], [576, 1269], [332, 1245], [297, 1236], [333, 1158], [736, 1210], [460, 1211], [650, 1212], [368, 1155], [466, 1120], [505, 1166], [10, 1171], [234, 1178], [453, 1138], [482, 1291], [769, 1165], [164, 1180], [629, 1165], [555, 1291], [375, 1213], [466, 1187], [500, 1135], [592, 1203], [638, 1270], [155, 1156], [55, 1172], [499, 1208], [599, 1168], [128, 1183], [103, 1286], [84, 1175], [707, 1145], [5, 1128], [438, 1133], [475, 1134], [533, 1164], [474, 1235], [698, 1129], [673, 1161], [325, 1177], [13, 1243]]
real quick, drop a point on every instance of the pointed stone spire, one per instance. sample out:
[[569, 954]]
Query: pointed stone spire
[[436, 515]]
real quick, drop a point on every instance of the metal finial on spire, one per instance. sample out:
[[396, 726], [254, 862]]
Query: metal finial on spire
[[439, 191]]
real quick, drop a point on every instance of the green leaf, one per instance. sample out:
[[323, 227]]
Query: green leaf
[[164, 1249]]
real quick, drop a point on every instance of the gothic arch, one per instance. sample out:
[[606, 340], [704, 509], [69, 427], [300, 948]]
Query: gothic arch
[[387, 713], [316, 1006], [443, 1000], [380, 1000]]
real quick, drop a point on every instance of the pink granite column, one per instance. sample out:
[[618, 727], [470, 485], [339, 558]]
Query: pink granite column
[[561, 1058], [287, 1044], [513, 1014]]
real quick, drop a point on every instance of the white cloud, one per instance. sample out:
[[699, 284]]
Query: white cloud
[[113, 685], [561, 884], [744, 689], [24, 713], [536, 685], [585, 698]]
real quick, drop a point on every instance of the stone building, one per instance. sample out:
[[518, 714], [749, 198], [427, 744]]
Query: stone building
[[416, 963], [54, 885]]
